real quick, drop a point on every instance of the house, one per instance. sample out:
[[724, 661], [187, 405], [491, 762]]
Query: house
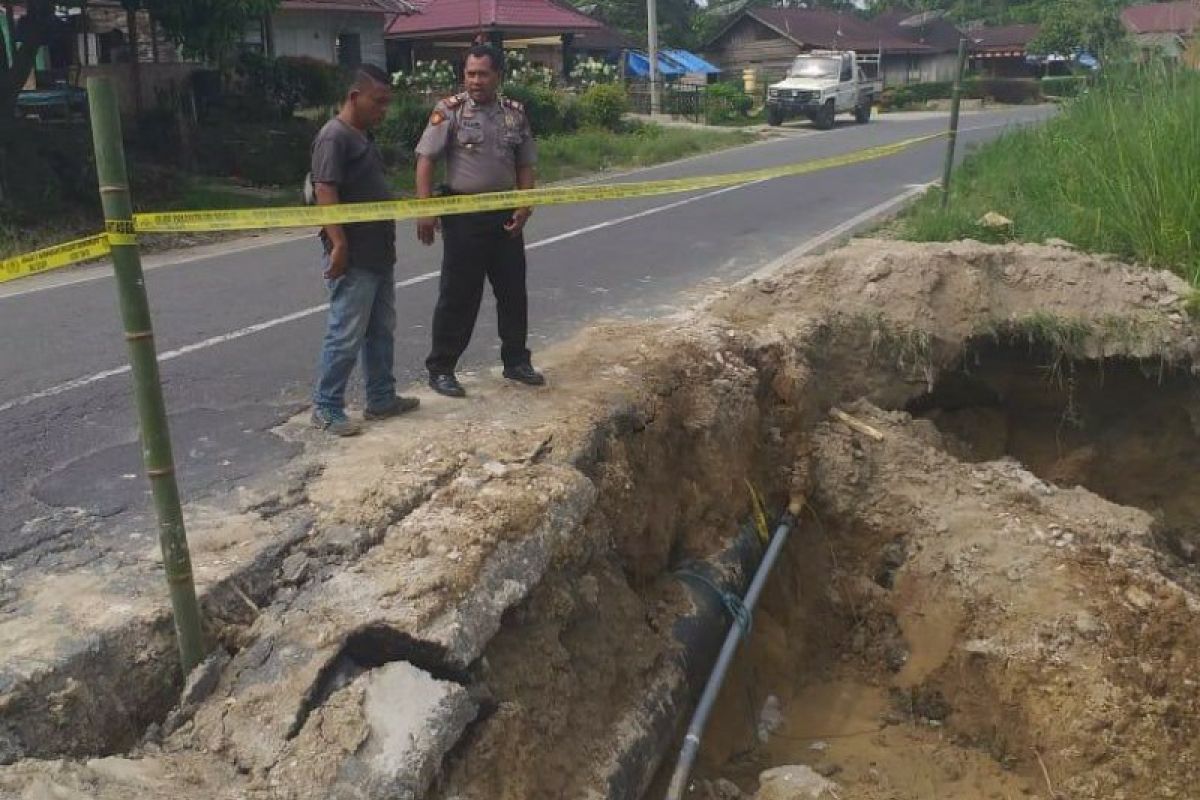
[[603, 44], [931, 29], [766, 40], [546, 30], [345, 32], [1001, 52], [1164, 29], [96, 40]]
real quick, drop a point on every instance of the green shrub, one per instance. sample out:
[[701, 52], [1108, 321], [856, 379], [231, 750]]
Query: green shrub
[[1013, 91], [569, 103], [543, 106], [308, 83], [402, 129], [276, 154], [724, 102], [45, 170], [924, 92], [602, 105], [1064, 86], [274, 88]]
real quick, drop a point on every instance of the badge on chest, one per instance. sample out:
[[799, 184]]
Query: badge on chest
[[470, 131]]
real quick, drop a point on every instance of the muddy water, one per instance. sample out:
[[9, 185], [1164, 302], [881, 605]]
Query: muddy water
[[846, 729], [838, 690]]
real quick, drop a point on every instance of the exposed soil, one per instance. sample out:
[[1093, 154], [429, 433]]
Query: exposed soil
[[996, 599]]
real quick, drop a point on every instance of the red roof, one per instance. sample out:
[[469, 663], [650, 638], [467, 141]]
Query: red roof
[[1162, 18], [1006, 37], [367, 6], [442, 17]]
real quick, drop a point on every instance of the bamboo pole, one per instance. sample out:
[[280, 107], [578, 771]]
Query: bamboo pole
[[139, 337]]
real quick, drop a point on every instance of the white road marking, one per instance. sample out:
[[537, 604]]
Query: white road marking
[[170, 355], [249, 330]]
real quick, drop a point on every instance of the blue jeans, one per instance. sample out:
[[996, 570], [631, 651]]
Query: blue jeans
[[362, 317]]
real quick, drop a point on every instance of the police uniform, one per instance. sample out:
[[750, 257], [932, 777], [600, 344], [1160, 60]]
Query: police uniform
[[483, 145]]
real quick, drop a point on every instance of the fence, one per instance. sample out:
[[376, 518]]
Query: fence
[[689, 102]]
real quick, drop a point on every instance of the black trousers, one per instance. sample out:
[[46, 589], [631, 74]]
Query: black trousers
[[474, 247]]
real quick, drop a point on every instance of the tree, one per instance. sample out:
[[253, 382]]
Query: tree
[[207, 28], [1090, 25], [629, 17]]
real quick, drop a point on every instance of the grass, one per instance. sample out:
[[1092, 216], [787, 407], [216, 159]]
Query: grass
[[559, 158], [585, 152], [1116, 172], [589, 151], [214, 193]]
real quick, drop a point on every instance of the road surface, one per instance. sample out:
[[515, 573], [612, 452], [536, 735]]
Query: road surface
[[238, 326]]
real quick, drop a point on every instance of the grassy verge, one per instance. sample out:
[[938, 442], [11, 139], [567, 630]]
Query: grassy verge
[[576, 154], [1117, 171], [193, 193], [560, 158], [585, 152]]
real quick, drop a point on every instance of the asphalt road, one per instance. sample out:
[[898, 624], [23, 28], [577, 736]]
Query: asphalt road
[[238, 326]]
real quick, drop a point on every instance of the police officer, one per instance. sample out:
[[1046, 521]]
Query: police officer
[[488, 147]]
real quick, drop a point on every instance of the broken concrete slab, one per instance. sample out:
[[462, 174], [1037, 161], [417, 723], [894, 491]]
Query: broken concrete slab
[[381, 738], [87, 653], [407, 598]]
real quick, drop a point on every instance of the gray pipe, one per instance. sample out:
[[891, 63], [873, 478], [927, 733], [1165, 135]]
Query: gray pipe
[[691, 741]]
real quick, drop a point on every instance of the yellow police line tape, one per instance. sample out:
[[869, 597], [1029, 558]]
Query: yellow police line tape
[[61, 255], [122, 233], [315, 216]]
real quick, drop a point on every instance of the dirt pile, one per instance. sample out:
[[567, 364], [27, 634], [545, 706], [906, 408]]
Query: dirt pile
[[944, 622]]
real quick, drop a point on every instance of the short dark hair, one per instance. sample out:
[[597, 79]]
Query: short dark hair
[[488, 51], [362, 76]]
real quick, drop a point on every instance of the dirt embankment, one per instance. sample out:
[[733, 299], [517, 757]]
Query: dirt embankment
[[485, 606]]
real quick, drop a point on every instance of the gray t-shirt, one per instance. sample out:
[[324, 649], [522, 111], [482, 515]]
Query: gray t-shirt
[[349, 159]]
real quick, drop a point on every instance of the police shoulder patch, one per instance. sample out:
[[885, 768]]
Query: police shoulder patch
[[513, 104], [437, 117]]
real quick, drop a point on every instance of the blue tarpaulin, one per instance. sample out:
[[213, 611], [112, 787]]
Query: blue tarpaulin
[[691, 62], [671, 63], [639, 64]]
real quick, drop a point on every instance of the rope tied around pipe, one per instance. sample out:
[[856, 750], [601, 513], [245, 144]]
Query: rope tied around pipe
[[738, 612]]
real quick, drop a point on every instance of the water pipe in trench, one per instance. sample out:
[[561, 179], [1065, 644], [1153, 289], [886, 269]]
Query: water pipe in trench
[[712, 688]]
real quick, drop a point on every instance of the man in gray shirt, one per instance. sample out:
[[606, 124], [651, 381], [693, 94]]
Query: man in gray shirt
[[359, 260], [488, 147]]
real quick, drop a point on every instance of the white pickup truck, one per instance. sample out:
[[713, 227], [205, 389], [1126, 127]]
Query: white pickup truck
[[822, 84]]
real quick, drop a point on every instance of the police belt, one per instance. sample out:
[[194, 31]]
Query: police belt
[[444, 190]]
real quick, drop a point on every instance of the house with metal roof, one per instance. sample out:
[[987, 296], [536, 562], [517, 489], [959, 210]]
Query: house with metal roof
[[95, 39], [766, 40], [1002, 51], [546, 30], [1164, 29], [345, 32]]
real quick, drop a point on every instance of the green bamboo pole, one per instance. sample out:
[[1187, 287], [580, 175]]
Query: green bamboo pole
[[139, 336], [955, 99]]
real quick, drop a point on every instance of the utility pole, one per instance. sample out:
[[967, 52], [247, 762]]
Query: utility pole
[[955, 99], [652, 40], [147, 389]]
